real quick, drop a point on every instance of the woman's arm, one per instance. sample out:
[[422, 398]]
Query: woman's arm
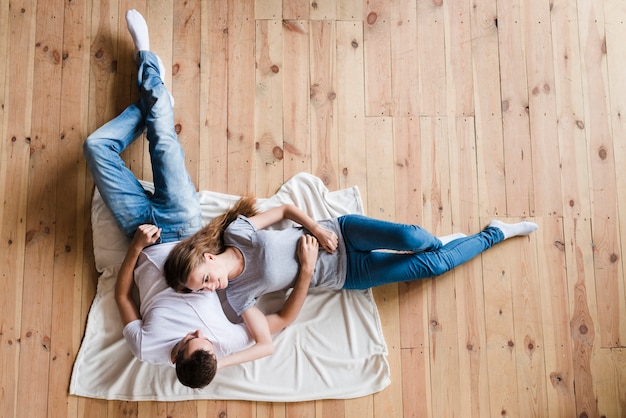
[[307, 255], [259, 329], [327, 239], [145, 235], [260, 326]]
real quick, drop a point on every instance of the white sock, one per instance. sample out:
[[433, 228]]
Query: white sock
[[516, 229], [138, 29], [448, 238]]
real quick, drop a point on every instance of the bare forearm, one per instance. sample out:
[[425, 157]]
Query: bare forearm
[[291, 309], [294, 213], [257, 351], [124, 285]]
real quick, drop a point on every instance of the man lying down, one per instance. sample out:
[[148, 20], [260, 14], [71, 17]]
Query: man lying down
[[188, 331]]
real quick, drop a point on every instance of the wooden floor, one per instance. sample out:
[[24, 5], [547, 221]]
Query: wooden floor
[[445, 113]]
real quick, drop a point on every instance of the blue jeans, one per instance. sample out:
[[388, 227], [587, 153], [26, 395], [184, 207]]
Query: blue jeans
[[174, 206], [427, 258]]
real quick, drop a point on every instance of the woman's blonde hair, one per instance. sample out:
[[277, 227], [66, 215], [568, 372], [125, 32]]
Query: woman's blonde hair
[[189, 253]]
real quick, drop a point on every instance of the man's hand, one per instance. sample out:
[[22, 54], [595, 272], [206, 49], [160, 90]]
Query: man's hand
[[147, 234]]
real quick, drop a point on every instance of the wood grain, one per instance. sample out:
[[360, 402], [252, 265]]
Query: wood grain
[[445, 114]]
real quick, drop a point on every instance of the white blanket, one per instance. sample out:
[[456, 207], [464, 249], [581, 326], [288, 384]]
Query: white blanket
[[335, 349]]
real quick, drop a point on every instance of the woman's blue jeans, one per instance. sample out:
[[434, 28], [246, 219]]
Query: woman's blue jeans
[[422, 255], [174, 205]]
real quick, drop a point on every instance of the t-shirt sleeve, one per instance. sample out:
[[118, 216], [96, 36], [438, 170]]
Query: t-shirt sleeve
[[132, 334]]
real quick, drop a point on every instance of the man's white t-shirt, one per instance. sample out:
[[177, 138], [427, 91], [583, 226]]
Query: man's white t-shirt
[[167, 316]]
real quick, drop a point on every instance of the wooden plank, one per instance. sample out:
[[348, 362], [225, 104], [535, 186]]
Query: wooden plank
[[404, 58], [213, 164], [432, 59], [609, 394], [515, 111], [295, 9], [465, 209], [529, 340], [323, 105], [181, 409], [268, 9], [407, 142], [603, 177], [458, 41], [69, 240], [243, 409], [240, 132], [212, 408], [583, 308], [158, 409], [104, 27], [442, 316], [542, 107], [323, 10], [576, 199], [349, 10], [376, 43], [300, 409], [414, 342], [330, 408], [36, 324], [381, 205], [14, 157], [268, 107], [270, 410], [413, 309], [488, 109], [296, 92], [351, 106], [435, 175], [499, 328], [362, 407], [185, 79], [555, 316], [615, 31]]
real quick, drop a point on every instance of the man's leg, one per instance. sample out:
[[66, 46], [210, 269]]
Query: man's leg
[[119, 188], [175, 202]]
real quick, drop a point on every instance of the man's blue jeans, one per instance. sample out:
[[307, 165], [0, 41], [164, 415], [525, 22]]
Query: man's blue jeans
[[422, 254], [174, 206]]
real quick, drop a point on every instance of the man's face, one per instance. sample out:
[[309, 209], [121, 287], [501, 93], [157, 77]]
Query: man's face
[[191, 343]]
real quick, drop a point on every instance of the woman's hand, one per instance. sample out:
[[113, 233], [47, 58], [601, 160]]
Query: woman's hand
[[146, 234], [327, 238], [308, 248]]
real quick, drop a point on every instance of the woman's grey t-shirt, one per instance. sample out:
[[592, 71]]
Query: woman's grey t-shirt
[[271, 261]]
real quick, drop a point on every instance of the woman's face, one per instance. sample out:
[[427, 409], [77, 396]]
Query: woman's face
[[209, 275]]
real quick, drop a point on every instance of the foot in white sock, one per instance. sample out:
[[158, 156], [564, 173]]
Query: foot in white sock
[[138, 29], [448, 238], [514, 230]]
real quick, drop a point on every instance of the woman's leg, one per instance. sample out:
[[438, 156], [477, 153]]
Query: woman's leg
[[361, 233], [369, 269]]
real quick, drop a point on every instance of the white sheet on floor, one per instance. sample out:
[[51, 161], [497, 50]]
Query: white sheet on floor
[[335, 349]]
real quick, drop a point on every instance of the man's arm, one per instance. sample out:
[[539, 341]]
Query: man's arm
[[145, 235]]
